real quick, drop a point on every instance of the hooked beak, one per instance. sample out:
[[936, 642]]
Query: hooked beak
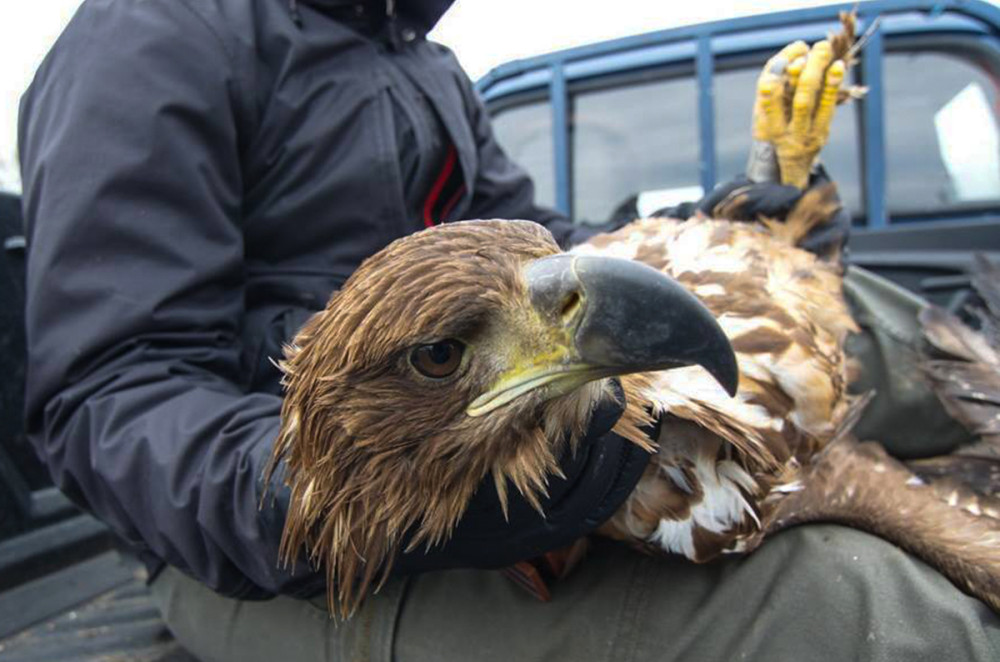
[[607, 317]]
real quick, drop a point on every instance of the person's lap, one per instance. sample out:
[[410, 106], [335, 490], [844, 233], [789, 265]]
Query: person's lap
[[814, 592]]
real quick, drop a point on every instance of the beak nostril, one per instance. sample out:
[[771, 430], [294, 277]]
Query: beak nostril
[[570, 306]]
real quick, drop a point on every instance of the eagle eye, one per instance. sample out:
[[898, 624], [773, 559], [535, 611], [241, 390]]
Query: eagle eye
[[438, 360]]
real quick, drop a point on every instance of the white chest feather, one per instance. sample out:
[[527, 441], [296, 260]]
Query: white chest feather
[[723, 505]]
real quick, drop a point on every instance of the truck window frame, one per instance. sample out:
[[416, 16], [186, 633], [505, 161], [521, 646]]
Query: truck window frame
[[903, 24]]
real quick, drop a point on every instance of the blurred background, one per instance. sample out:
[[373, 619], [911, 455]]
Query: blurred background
[[482, 34], [640, 126]]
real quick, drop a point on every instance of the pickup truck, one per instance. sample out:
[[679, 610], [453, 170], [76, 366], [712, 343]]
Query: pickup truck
[[638, 124], [660, 118]]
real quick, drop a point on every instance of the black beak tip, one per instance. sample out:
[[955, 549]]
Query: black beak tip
[[726, 372], [717, 357]]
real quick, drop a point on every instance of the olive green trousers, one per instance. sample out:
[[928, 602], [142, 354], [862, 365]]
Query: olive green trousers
[[818, 592]]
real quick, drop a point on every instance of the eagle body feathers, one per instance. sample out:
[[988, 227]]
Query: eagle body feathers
[[722, 463], [730, 471]]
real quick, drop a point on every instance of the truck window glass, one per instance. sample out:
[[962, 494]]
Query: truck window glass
[[941, 133], [734, 94], [641, 138], [525, 133]]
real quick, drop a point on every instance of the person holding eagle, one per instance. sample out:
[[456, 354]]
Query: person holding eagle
[[199, 176]]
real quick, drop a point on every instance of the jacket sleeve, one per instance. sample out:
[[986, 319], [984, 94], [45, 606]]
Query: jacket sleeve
[[503, 190], [132, 193]]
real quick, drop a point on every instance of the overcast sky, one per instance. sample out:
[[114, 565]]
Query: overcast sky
[[482, 33]]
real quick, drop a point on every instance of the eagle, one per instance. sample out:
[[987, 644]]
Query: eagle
[[465, 352]]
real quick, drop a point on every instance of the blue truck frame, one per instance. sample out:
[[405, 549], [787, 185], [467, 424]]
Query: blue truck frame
[[705, 43]]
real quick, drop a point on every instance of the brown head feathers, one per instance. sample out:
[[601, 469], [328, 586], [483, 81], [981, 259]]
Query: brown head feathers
[[374, 450]]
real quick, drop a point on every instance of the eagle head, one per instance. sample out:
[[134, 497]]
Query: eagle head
[[467, 350]]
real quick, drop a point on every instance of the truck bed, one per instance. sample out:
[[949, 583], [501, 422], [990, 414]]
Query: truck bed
[[94, 609]]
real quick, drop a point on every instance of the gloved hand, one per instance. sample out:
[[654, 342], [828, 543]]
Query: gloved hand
[[598, 479], [743, 200]]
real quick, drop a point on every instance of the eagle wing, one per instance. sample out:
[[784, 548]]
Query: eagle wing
[[723, 461], [727, 472], [964, 365]]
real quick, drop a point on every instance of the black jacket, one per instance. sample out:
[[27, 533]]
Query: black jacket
[[199, 175]]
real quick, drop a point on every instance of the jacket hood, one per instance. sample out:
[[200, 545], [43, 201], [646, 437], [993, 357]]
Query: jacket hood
[[421, 13]]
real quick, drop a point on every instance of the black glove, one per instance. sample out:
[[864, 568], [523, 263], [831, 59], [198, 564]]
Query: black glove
[[598, 479], [744, 200]]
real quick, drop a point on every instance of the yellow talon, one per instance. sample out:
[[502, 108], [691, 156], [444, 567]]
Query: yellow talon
[[794, 71], [804, 100], [835, 76], [827, 103], [797, 95], [795, 68], [792, 51], [796, 99], [770, 123]]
